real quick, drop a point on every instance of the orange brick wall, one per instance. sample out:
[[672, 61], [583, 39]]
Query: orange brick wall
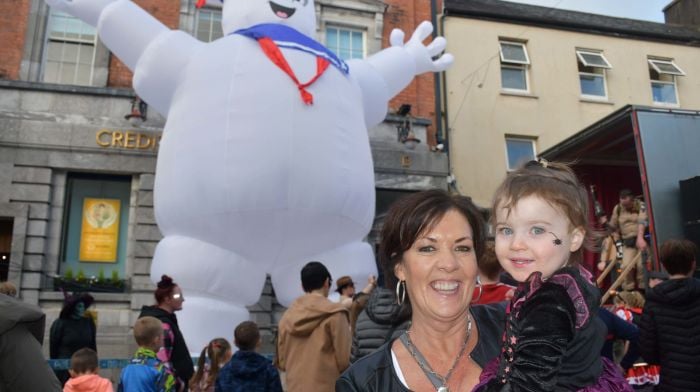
[[12, 36], [168, 12], [406, 15]]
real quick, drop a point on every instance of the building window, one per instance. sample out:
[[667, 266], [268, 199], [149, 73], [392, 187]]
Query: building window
[[208, 25], [591, 70], [70, 51], [514, 65], [97, 221], [346, 43], [663, 81], [518, 151]]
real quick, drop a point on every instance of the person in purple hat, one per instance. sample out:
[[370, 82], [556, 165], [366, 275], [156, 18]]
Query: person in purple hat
[[72, 330]]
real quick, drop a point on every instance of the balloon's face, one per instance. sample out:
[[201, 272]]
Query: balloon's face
[[299, 14]]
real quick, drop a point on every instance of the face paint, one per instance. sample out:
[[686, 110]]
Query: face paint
[[79, 310]]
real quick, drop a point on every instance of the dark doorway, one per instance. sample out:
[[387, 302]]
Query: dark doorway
[[5, 247]]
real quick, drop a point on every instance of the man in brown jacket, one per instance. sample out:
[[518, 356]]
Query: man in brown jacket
[[314, 335]]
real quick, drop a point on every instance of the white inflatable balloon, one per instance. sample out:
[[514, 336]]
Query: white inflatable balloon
[[251, 179]]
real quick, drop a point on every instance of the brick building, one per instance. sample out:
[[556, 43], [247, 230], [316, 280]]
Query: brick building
[[65, 139]]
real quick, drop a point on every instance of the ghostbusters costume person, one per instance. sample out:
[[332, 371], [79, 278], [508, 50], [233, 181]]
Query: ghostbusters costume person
[[628, 222], [265, 161]]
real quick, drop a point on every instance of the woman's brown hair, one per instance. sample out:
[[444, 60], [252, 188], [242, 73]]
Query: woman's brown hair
[[164, 289]]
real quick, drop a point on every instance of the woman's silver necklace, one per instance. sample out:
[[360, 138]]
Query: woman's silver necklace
[[438, 381]]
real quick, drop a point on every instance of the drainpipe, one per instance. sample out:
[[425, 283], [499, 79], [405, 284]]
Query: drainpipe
[[438, 95], [443, 128]]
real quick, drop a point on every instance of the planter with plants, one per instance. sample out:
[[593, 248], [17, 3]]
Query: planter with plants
[[96, 284]]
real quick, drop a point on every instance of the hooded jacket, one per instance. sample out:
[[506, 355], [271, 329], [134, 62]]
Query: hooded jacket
[[379, 322], [179, 358], [670, 333], [248, 371], [88, 383], [22, 364], [314, 343]]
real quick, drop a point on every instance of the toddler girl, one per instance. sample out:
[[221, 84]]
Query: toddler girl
[[552, 339]]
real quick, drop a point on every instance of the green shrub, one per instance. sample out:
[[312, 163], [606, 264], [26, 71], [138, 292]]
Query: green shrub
[[68, 274]]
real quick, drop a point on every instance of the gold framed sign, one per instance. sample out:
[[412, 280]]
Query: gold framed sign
[[99, 233]]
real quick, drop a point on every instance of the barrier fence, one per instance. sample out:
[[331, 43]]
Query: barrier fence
[[114, 363]]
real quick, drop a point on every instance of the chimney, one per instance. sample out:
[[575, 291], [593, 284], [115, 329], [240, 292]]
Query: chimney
[[683, 13]]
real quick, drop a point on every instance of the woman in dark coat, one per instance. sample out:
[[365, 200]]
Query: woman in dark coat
[[72, 331], [174, 353]]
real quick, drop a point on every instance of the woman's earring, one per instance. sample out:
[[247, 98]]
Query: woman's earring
[[481, 289], [400, 292]]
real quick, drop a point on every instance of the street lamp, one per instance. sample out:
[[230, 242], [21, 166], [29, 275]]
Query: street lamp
[[139, 109]]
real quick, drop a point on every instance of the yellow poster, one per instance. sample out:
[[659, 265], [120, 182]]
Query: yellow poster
[[99, 234]]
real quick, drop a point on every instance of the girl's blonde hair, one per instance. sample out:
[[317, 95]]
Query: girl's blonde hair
[[555, 183], [210, 361], [633, 299]]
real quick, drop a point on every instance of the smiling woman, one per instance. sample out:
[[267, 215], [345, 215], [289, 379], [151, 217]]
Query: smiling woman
[[430, 244]]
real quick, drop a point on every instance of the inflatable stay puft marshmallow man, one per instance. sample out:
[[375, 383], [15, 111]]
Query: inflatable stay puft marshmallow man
[[264, 162]]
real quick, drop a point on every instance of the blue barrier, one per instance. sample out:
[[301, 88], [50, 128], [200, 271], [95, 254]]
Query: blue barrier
[[114, 363]]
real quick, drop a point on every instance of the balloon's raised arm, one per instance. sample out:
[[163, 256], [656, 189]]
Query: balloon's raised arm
[[88, 11], [136, 37], [125, 28], [386, 73]]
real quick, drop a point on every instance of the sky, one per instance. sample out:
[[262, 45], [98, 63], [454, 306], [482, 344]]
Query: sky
[[634, 9]]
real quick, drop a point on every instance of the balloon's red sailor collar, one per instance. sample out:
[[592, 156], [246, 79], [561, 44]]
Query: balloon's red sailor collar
[[287, 37]]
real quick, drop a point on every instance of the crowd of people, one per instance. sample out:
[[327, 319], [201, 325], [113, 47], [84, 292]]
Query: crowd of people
[[456, 311]]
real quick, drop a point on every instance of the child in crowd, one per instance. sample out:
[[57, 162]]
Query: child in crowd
[[553, 337], [145, 372], [489, 287], [214, 356], [83, 373], [8, 288], [629, 305], [641, 375], [248, 371]]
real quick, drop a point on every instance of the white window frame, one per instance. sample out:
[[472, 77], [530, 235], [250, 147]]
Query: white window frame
[[513, 61], [339, 28], [603, 71], [653, 63], [520, 139], [515, 64], [581, 52], [66, 40], [198, 20]]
